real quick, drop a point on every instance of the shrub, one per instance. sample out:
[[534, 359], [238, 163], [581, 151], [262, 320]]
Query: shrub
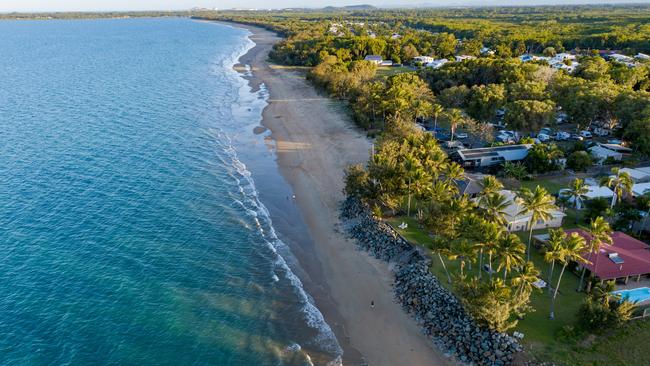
[[579, 161]]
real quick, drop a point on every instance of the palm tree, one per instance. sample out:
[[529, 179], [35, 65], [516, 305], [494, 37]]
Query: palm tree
[[514, 170], [440, 247], [436, 110], [620, 182], [453, 172], [490, 233], [577, 192], [600, 233], [494, 206], [511, 253], [490, 185], [411, 167], [553, 252], [455, 116], [572, 250], [525, 278], [463, 251], [539, 205]]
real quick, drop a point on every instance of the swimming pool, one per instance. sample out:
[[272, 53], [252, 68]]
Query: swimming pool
[[635, 295]]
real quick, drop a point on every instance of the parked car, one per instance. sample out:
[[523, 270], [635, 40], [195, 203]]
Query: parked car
[[561, 117], [545, 131], [461, 135], [585, 134], [562, 136], [615, 142], [601, 132], [543, 137], [575, 136]]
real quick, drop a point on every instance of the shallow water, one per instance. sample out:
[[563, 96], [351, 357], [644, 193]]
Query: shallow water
[[130, 231]]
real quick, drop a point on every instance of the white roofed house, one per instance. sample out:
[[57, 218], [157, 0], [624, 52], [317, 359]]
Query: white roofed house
[[638, 175], [436, 64], [600, 153], [423, 59], [464, 57], [374, 59], [593, 192], [642, 56], [518, 221]]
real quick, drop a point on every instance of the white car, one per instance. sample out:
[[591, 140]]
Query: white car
[[562, 136], [543, 137], [585, 134], [461, 135]]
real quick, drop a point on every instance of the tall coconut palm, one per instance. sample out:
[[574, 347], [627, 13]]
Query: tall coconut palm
[[600, 233], [490, 233], [463, 251], [455, 116], [441, 247], [619, 182], [553, 252], [494, 206], [511, 252], [572, 250], [453, 172], [413, 170], [539, 205], [436, 110], [525, 278], [577, 192]]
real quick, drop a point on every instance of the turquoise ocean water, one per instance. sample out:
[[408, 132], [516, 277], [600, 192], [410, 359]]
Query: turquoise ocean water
[[130, 231]]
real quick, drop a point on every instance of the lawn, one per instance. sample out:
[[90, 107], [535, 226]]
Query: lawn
[[390, 71], [552, 185], [541, 334]]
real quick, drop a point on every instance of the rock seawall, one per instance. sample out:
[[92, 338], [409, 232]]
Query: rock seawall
[[437, 310]]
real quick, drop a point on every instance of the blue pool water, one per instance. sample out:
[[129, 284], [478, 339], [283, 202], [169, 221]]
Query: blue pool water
[[131, 232], [635, 295]]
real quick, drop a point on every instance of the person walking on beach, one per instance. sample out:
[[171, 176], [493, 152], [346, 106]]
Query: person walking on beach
[[372, 304]]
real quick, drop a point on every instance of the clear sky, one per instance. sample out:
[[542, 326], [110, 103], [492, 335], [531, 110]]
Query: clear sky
[[95, 5]]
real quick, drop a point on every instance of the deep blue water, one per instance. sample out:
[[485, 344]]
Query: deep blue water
[[130, 232]]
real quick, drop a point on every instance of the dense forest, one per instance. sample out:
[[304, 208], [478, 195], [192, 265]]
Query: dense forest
[[491, 79]]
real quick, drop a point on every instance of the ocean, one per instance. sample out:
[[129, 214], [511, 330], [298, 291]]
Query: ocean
[[131, 230]]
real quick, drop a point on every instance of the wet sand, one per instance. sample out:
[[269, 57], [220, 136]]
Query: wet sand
[[314, 140]]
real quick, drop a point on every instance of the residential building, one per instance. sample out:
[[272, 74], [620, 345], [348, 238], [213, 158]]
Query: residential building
[[374, 59], [593, 192], [386, 63], [601, 153], [642, 56], [638, 175], [625, 258], [470, 185], [489, 156], [464, 57], [423, 59], [516, 221], [640, 189], [436, 64]]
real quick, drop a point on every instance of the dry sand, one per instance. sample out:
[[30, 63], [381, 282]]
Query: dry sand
[[315, 140]]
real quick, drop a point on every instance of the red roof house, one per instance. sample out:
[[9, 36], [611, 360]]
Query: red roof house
[[626, 257]]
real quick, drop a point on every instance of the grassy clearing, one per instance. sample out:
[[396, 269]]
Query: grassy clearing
[[390, 71]]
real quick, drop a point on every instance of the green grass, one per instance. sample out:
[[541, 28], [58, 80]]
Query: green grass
[[552, 185], [390, 71]]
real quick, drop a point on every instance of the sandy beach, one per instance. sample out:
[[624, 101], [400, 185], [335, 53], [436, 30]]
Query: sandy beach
[[315, 140]]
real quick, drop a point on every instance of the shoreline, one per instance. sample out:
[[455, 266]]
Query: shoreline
[[313, 140]]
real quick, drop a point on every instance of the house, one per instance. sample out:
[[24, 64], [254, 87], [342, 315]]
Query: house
[[489, 156], [593, 192], [640, 189], [620, 58], [601, 153], [519, 222], [386, 63], [560, 57], [423, 59], [375, 59], [626, 257], [436, 64], [642, 56], [464, 57], [470, 185], [486, 51], [637, 175]]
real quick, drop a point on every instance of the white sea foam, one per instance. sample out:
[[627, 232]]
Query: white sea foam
[[247, 108]]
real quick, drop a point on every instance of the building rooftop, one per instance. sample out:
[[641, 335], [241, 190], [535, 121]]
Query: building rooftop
[[626, 256], [484, 152]]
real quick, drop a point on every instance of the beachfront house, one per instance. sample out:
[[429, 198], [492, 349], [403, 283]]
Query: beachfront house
[[375, 59], [490, 156], [642, 56], [516, 221], [627, 258], [470, 185], [462, 58]]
